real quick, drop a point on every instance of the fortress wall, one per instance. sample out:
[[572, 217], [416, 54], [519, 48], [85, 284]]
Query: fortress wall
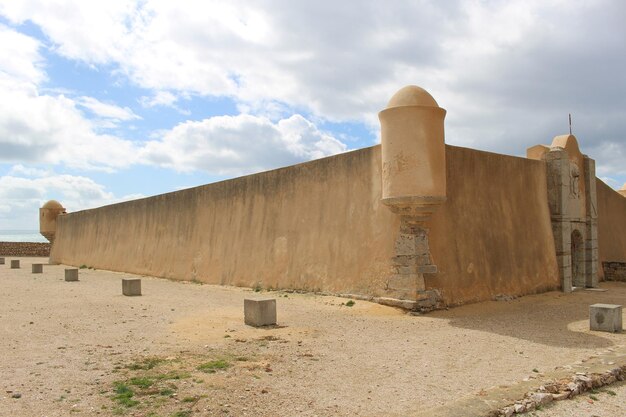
[[611, 225], [493, 235], [320, 226], [314, 226]]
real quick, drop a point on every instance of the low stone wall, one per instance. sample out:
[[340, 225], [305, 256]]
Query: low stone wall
[[614, 271], [24, 249]]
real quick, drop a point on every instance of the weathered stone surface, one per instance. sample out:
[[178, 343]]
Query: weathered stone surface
[[584, 381], [411, 244], [572, 199], [605, 317], [405, 285], [573, 388], [25, 249], [614, 271], [541, 398], [259, 312], [131, 286], [562, 389], [427, 269], [71, 274], [395, 302]]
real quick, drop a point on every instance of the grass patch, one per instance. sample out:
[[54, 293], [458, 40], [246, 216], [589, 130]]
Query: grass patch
[[593, 397], [166, 392], [118, 411], [258, 287], [213, 366], [536, 370], [350, 303], [190, 399], [173, 375], [124, 395], [612, 393], [142, 382], [83, 266], [185, 413], [145, 364]]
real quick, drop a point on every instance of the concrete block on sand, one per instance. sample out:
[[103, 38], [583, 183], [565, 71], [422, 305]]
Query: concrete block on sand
[[71, 274], [605, 317], [131, 287], [259, 312], [37, 268], [15, 264]]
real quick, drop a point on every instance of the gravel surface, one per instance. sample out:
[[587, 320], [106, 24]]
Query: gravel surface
[[181, 349]]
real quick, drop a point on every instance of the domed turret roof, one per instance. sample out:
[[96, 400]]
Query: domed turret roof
[[52, 204], [412, 95]]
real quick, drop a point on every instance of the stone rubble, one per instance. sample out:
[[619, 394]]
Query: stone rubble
[[561, 390]]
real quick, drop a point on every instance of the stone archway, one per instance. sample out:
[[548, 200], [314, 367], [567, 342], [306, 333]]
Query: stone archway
[[578, 259]]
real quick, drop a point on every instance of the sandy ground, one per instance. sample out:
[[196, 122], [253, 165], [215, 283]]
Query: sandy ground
[[80, 348]]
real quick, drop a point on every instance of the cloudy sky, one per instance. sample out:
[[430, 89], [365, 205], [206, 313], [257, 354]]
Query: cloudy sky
[[111, 100]]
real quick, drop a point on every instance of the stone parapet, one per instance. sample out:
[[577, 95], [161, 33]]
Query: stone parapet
[[27, 249]]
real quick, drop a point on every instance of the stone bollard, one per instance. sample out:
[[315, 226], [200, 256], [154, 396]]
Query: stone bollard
[[605, 317], [131, 287], [1, 261], [15, 264], [37, 268], [71, 274], [259, 312]]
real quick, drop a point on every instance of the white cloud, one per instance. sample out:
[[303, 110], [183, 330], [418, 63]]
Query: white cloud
[[89, 31], [488, 63], [107, 110], [233, 145], [50, 129], [160, 98], [22, 197], [609, 157], [22, 170], [21, 61], [507, 72], [42, 128]]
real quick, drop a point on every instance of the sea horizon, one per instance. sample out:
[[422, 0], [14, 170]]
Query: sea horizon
[[21, 235]]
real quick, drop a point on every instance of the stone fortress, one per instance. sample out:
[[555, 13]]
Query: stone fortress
[[411, 222]]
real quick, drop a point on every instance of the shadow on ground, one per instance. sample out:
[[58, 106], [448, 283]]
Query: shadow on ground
[[552, 319]]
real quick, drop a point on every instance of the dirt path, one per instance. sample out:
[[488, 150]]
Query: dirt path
[[182, 349]]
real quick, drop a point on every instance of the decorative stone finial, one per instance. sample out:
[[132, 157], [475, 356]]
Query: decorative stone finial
[[413, 153]]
